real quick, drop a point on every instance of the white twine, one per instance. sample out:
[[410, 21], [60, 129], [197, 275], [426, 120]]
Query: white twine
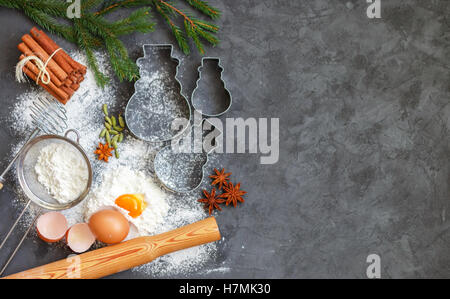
[[20, 77]]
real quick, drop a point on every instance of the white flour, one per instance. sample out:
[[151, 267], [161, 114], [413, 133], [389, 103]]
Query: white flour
[[61, 169], [85, 115]]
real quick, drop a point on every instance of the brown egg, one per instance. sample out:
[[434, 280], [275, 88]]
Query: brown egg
[[109, 226]]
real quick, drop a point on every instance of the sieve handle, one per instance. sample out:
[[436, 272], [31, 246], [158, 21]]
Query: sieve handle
[[2, 176], [75, 132]]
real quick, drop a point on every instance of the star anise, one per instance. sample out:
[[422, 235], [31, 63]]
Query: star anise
[[233, 194], [211, 201], [103, 151], [220, 178]]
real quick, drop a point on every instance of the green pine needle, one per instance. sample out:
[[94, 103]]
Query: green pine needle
[[87, 5], [205, 8], [194, 28], [139, 21], [83, 42], [111, 5], [49, 23], [206, 25]]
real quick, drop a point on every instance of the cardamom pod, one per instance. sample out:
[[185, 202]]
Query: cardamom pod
[[107, 126], [120, 138], [121, 121], [103, 133], [105, 110], [114, 144], [117, 153], [108, 138], [113, 132], [114, 121], [108, 120], [118, 129]]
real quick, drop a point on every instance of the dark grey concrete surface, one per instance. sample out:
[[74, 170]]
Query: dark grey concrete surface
[[364, 119]]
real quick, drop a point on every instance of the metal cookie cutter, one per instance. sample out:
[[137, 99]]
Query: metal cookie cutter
[[157, 102], [207, 98], [179, 166]]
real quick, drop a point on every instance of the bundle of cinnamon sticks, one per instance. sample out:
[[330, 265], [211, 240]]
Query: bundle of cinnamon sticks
[[65, 73]]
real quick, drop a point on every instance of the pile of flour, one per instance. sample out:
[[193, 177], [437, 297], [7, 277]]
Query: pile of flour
[[62, 170], [85, 114], [127, 181]]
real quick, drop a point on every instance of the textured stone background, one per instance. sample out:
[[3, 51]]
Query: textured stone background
[[364, 120]]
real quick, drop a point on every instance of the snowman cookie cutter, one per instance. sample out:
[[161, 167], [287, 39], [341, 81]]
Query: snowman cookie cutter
[[205, 91], [179, 169], [158, 99], [180, 165]]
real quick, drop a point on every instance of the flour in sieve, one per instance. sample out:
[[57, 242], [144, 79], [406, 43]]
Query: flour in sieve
[[62, 170]]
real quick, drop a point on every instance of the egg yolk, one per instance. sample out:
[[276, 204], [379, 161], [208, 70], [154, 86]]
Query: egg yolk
[[133, 203]]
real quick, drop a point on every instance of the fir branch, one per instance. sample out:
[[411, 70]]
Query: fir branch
[[168, 10], [83, 42], [205, 8], [124, 68], [174, 10], [206, 25], [49, 23], [138, 21], [10, 4], [86, 5], [181, 39], [177, 32], [192, 33], [207, 36], [111, 5], [54, 8], [193, 27]]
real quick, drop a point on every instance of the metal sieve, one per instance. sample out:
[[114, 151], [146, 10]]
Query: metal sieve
[[37, 193]]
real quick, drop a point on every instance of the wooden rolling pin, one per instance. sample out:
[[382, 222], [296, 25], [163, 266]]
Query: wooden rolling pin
[[116, 258]]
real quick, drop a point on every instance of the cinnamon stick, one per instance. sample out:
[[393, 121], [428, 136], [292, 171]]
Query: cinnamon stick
[[68, 90], [73, 78], [75, 86], [27, 52], [52, 46], [84, 70], [65, 73], [51, 86], [58, 57], [48, 87], [39, 52]]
